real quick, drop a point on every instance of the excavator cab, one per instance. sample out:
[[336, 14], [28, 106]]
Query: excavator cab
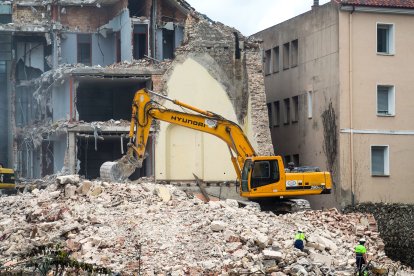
[[259, 173], [265, 177]]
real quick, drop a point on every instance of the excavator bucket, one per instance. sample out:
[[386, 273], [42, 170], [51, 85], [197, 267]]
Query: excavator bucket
[[119, 170]]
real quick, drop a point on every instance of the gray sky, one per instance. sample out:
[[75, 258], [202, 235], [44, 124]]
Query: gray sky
[[251, 16]]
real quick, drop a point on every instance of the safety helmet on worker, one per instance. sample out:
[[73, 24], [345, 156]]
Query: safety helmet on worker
[[300, 230], [362, 240]]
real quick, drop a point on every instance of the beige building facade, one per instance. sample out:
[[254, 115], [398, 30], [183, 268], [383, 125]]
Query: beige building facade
[[339, 93]]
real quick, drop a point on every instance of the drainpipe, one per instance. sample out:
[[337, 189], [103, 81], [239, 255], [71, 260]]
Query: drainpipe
[[351, 120]]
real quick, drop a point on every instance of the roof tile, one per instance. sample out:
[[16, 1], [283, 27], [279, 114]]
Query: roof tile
[[408, 4]]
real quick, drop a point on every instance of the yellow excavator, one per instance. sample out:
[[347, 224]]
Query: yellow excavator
[[259, 177], [7, 181]]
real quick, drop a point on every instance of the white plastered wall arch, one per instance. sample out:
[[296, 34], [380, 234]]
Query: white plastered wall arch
[[189, 81]]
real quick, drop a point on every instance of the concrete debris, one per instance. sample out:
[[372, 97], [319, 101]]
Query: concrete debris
[[104, 224]]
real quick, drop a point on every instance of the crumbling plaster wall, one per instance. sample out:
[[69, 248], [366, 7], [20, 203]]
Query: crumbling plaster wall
[[122, 23], [208, 68], [31, 15], [102, 49]]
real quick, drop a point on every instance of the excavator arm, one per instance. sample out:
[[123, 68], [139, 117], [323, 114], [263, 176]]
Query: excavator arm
[[144, 110]]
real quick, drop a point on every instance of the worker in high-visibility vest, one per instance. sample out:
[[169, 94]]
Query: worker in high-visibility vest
[[360, 254], [299, 239]]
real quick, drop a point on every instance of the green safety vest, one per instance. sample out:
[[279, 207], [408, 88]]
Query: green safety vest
[[360, 249], [300, 236]]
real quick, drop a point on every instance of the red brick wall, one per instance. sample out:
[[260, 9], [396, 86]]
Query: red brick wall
[[29, 15], [157, 83], [85, 19]]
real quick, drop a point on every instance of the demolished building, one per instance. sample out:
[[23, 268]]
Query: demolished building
[[71, 69]]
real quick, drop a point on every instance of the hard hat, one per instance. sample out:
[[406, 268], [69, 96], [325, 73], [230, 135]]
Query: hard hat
[[362, 240], [300, 230]]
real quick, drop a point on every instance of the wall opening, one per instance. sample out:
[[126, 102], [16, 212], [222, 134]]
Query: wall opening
[[136, 8], [140, 41], [168, 44], [107, 149], [105, 99]]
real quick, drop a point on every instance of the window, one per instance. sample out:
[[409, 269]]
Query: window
[[84, 49], [295, 101], [385, 38], [380, 161], [269, 114], [5, 18], [5, 13], [309, 96], [295, 53], [118, 46], [276, 59], [267, 62], [264, 173], [140, 41], [286, 118], [277, 113], [287, 160], [286, 54], [385, 100], [296, 160]]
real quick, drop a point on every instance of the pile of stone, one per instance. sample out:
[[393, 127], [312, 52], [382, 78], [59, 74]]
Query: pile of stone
[[158, 230]]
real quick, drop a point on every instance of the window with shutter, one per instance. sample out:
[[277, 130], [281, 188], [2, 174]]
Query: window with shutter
[[379, 160], [385, 100], [385, 38]]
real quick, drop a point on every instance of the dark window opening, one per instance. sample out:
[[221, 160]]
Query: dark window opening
[[276, 59], [287, 111], [268, 59], [47, 158], [296, 160], [286, 55], [5, 18], [277, 113], [168, 44], [5, 47], [85, 49], [140, 41], [237, 45], [295, 53], [287, 160], [270, 114], [264, 173], [118, 46], [295, 101], [136, 8], [107, 149], [106, 99]]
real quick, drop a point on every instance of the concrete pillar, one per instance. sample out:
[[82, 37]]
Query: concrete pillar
[[71, 152]]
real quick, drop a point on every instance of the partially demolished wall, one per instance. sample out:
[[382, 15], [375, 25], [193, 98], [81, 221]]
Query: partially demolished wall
[[237, 67]]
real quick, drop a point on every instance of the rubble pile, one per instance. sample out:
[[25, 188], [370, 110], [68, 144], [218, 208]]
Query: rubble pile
[[162, 230], [395, 222]]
